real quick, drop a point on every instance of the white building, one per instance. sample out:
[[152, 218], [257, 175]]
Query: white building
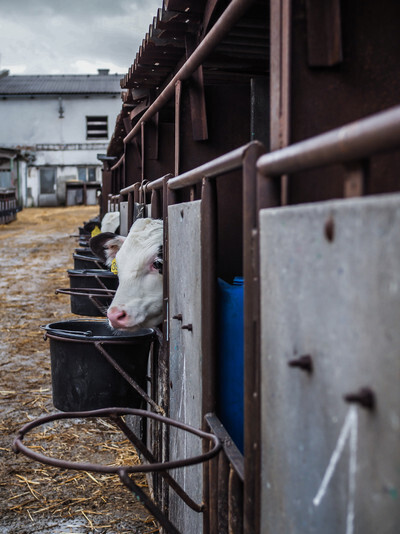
[[53, 127]]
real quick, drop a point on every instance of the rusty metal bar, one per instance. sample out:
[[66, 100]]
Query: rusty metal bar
[[233, 454], [209, 340], [129, 379], [142, 143], [280, 66], [213, 490], [98, 468], [120, 423], [119, 162], [86, 291], [230, 161], [235, 514], [355, 141], [123, 471], [221, 28], [178, 99], [159, 183], [162, 433], [138, 187], [127, 190], [223, 491], [147, 502], [252, 460], [93, 295], [357, 177]]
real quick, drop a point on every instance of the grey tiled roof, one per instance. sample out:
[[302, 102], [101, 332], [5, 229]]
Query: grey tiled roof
[[62, 84]]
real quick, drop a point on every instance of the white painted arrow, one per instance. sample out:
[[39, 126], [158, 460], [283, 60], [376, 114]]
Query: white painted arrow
[[349, 431]]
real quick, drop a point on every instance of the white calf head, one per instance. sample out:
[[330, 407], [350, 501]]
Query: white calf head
[[138, 301]]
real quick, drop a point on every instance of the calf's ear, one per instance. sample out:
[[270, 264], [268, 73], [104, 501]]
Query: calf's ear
[[106, 246]]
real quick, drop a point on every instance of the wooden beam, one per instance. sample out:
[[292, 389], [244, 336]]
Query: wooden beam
[[324, 33], [197, 96]]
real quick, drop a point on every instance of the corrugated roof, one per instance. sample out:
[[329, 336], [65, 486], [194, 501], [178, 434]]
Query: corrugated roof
[[243, 52], [62, 84], [178, 27]]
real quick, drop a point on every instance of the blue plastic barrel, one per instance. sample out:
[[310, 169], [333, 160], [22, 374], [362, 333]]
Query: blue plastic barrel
[[231, 356]]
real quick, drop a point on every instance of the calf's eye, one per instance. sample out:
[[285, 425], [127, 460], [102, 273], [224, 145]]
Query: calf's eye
[[158, 265]]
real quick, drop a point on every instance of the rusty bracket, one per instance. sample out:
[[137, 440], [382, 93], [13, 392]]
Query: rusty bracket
[[365, 397], [123, 471], [129, 379], [304, 363]]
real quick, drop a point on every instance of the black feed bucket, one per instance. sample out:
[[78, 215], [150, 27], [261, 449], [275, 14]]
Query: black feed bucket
[[90, 279], [85, 259], [83, 378]]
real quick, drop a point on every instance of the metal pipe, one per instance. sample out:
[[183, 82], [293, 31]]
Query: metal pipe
[[129, 379], [354, 141], [119, 162], [172, 483], [159, 183], [228, 162], [127, 190], [168, 527], [224, 24], [18, 446]]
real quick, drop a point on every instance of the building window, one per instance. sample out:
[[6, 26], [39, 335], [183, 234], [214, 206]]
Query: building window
[[87, 174], [82, 174], [97, 127], [91, 174]]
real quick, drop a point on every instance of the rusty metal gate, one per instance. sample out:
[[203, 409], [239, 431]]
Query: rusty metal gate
[[8, 206], [330, 301], [305, 457]]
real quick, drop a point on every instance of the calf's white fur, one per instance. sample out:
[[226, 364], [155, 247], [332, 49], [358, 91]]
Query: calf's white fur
[[139, 297]]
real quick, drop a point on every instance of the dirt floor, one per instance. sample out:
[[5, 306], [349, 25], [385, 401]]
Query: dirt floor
[[36, 250]]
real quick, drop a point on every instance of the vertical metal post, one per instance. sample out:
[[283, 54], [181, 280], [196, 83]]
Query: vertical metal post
[[124, 167], [223, 485], [209, 229], [131, 209], [164, 353], [142, 139], [356, 180], [212, 508], [178, 92], [251, 505], [280, 15], [156, 211], [235, 493]]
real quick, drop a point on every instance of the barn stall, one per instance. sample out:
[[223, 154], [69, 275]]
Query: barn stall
[[266, 136]]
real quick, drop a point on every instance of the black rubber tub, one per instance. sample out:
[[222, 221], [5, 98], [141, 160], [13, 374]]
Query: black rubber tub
[[83, 378], [86, 259], [90, 279]]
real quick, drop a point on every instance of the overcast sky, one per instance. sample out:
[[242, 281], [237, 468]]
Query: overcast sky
[[72, 36]]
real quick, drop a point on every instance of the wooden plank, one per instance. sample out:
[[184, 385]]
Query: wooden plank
[[324, 33], [280, 80], [197, 97]]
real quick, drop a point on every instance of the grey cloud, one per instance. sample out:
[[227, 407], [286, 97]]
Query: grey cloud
[[51, 35]]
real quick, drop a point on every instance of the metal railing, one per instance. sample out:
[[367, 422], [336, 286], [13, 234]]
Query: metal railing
[[352, 142], [224, 24]]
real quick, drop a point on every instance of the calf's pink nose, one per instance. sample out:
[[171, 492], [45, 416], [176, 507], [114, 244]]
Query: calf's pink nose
[[117, 317]]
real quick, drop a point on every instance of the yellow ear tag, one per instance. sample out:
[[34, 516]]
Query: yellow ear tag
[[96, 230], [114, 268]]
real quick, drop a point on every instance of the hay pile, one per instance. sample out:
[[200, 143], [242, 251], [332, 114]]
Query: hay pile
[[36, 498]]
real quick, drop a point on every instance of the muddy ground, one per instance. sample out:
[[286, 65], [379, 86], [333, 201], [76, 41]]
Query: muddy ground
[[36, 250]]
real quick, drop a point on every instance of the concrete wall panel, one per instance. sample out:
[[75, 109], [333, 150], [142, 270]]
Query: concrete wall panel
[[330, 288], [184, 230]]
